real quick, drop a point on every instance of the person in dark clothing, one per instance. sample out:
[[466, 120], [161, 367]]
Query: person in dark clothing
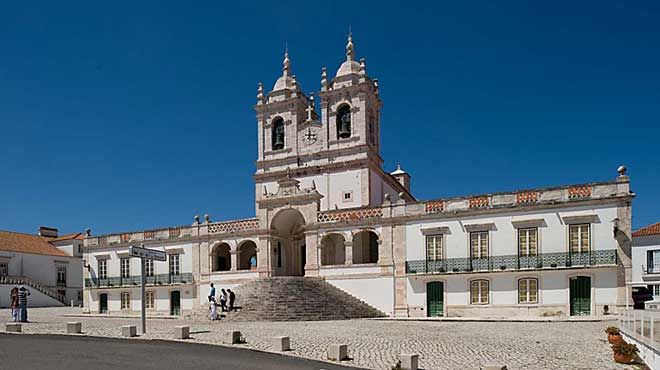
[[223, 300], [232, 297]]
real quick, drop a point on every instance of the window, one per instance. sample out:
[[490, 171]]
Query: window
[[527, 242], [579, 238], [277, 134], [528, 290], [149, 267], [4, 269], [61, 275], [125, 301], [433, 247], [103, 269], [344, 122], [80, 296], [479, 244], [149, 301], [79, 248], [652, 261], [347, 196], [125, 267], [479, 292], [175, 267]]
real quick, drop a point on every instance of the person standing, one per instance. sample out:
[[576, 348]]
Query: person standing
[[223, 300], [214, 309], [212, 293], [23, 303], [232, 297], [14, 304]]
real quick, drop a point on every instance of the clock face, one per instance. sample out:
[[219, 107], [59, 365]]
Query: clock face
[[310, 136]]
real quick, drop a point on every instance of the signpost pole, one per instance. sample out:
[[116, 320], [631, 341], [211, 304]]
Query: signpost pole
[[144, 315]]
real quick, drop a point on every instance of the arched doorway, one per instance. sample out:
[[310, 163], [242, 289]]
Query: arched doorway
[[288, 243], [221, 257], [333, 251], [365, 247], [247, 255]]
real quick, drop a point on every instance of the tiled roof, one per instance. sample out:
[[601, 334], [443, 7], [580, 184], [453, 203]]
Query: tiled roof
[[648, 230], [78, 236], [27, 243]]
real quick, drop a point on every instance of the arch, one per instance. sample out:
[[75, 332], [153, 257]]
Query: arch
[[365, 247], [288, 248], [333, 250], [247, 255], [343, 121], [221, 257], [277, 133]]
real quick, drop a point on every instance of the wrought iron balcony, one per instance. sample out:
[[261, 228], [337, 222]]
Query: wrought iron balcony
[[512, 262], [160, 279]]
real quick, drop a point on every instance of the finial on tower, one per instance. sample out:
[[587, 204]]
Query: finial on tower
[[286, 62], [350, 53], [324, 79], [260, 93]]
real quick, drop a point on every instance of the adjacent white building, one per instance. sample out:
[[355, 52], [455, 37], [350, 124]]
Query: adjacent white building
[[325, 208], [646, 259]]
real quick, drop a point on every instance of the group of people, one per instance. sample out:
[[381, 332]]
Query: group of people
[[19, 302], [225, 295]]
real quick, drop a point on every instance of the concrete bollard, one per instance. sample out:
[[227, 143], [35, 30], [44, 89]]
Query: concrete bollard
[[73, 327], [493, 367], [231, 337], [281, 344], [409, 361], [182, 332], [338, 352], [129, 331], [13, 327]]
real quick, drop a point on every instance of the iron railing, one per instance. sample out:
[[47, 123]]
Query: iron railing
[[160, 279], [512, 262]]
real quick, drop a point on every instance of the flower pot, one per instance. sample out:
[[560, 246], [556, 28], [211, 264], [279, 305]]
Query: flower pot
[[622, 358], [614, 339]]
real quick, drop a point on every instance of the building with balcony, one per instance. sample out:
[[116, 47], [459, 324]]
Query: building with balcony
[[326, 209], [646, 259]]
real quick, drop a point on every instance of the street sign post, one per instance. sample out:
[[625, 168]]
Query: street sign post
[[145, 254]]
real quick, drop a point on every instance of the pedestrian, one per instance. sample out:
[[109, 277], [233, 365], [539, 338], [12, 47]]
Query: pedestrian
[[214, 309], [15, 312], [212, 293], [23, 303], [232, 297], [223, 300]]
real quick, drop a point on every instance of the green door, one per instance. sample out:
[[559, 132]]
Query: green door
[[175, 303], [103, 304], [434, 295], [580, 296]]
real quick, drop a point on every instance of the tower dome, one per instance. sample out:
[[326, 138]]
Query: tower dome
[[286, 81], [350, 66]]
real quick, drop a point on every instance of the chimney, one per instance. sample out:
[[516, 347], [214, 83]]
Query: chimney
[[48, 232], [402, 177]]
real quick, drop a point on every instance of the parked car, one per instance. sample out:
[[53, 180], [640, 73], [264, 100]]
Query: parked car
[[641, 294]]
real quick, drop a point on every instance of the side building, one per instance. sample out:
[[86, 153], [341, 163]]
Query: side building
[[646, 261]]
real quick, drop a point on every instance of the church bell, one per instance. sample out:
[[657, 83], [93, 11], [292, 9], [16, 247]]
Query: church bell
[[345, 126]]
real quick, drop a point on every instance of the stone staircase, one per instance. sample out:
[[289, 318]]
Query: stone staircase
[[297, 299]]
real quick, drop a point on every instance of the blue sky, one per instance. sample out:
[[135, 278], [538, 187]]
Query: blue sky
[[139, 114]]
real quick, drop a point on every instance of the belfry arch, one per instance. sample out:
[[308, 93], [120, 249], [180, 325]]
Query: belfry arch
[[288, 243]]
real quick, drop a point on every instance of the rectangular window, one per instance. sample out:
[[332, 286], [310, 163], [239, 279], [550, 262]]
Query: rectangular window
[[149, 267], [125, 267], [433, 247], [348, 196], [4, 269], [103, 269], [652, 261], [528, 291], [125, 301], [61, 275], [527, 242], [479, 291], [174, 265], [149, 300], [80, 296], [579, 238], [479, 244]]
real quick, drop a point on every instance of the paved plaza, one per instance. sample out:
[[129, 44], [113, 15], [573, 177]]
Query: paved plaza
[[377, 343]]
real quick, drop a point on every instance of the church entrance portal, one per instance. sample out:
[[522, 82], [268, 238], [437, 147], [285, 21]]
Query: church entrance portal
[[288, 243]]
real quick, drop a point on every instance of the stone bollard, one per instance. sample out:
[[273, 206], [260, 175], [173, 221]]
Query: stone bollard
[[13, 327], [493, 367], [129, 331], [409, 361], [338, 352], [281, 344], [73, 328], [182, 332], [231, 337]]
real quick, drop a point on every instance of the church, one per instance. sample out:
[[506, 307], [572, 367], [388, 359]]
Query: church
[[336, 229]]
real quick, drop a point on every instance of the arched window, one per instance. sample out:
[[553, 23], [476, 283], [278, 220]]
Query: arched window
[[365, 247], [333, 251], [247, 255], [344, 122], [277, 133], [221, 258]]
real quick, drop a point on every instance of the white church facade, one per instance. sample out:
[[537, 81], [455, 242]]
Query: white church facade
[[326, 209]]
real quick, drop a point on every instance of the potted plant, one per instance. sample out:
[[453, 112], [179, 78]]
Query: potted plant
[[613, 335], [624, 352]]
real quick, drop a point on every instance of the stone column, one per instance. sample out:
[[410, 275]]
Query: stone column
[[348, 250], [234, 259], [312, 250], [385, 247], [264, 255]]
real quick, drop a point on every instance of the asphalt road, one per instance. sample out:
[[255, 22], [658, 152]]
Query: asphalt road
[[59, 352]]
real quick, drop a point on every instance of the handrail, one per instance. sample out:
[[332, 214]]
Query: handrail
[[24, 280]]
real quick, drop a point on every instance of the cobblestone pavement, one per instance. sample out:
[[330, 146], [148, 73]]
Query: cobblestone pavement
[[376, 343]]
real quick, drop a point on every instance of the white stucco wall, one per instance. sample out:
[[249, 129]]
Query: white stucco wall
[[378, 292]]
